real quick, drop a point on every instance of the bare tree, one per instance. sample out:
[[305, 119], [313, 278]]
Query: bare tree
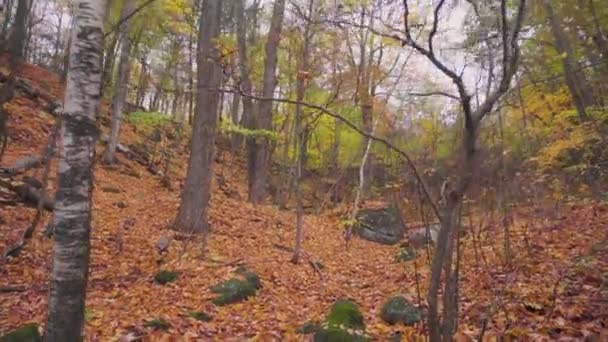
[[443, 327], [73, 202], [193, 209]]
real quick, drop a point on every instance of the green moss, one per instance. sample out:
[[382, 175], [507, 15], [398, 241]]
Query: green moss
[[158, 323], [26, 333], [345, 314], [165, 277], [232, 291], [398, 309], [406, 254], [200, 316]]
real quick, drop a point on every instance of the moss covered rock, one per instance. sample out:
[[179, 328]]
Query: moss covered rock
[[237, 289], [343, 323], [345, 314], [165, 277], [398, 309], [232, 291], [26, 333]]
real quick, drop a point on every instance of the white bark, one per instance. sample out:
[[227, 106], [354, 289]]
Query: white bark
[[72, 219]]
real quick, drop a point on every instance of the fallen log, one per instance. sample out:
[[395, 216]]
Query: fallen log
[[21, 165]]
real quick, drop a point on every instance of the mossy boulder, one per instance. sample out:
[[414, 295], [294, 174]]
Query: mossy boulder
[[232, 291], [26, 333], [407, 253], [165, 277], [381, 225], [398, 309], [249, 276], [237, 289], [343, 323]]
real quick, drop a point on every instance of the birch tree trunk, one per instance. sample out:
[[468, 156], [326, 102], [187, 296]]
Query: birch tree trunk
[[121, 89], [73, 204], [193, 210], [259, 149]]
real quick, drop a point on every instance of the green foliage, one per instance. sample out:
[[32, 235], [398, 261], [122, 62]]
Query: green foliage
[[26, 333], [200, 316], [228, 127], [158, 324], [147, 121], [165, 277]]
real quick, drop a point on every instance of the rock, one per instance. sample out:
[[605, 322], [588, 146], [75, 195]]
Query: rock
[[26, 333], [232, 291], [237, 289], [380, 225], [418, 238], [162, 245], [165, 277], [407, 253], [398, 309], [309, 327], [343, 323], [249, 276], [121, 205]]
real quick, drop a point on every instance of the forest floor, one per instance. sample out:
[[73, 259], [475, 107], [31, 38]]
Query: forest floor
[[555, 286]]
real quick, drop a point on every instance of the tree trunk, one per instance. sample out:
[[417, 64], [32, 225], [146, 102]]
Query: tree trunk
[[142, 84], [122, 84], [16, 48], [8, 10], [581, 93], [259, 149], [246, 88], [301, 85], [72, 217], [193, 210]]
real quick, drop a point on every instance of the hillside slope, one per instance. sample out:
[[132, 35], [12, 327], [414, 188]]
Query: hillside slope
[[556, 285]]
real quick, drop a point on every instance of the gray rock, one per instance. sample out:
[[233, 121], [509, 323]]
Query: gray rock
[[380, 225], [418, 237], [398, 309]]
